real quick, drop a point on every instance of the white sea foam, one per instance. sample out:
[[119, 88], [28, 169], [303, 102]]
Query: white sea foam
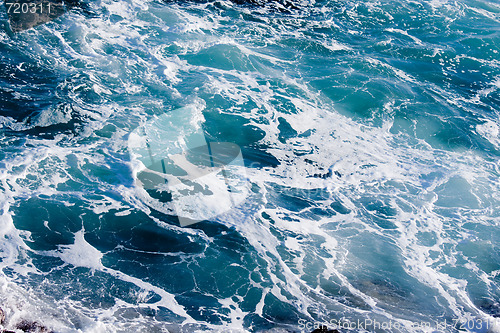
[[372, 162], [490, 131], [80, 253]]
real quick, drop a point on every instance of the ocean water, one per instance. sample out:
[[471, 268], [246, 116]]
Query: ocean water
[[369, 135]]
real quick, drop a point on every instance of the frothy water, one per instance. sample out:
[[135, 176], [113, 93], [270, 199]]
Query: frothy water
[[369, 133]]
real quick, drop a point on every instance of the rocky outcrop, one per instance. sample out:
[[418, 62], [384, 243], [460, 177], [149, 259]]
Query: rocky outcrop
[[32, 327], [24, 325]]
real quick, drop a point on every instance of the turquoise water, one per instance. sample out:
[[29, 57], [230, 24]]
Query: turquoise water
[[370, 138]]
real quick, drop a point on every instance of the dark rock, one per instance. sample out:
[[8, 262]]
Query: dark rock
[[323, 175], [32, 327], [2, 316], [328, 174], [26, 14], [324, 329]]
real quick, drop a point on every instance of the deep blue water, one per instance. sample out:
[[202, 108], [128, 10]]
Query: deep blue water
[[369, 135]]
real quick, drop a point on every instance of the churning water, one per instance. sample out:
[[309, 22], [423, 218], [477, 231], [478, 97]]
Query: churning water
[[369, 135]]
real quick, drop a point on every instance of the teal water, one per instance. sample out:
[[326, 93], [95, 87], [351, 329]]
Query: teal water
[[370, 137]]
